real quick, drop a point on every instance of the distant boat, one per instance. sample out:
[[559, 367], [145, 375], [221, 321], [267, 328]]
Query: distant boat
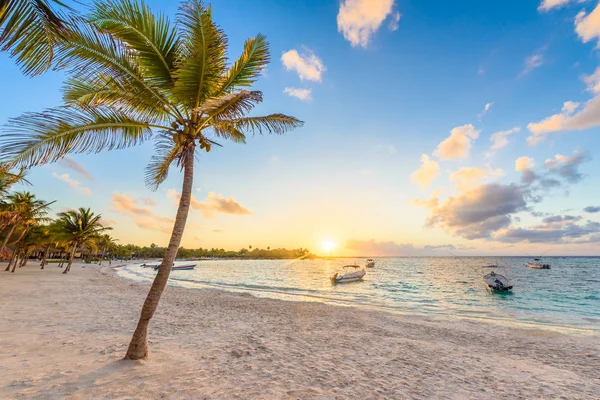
[[537, 264], [186, 267], [370, 263], [154, 266], [494, 281], [348, 277]]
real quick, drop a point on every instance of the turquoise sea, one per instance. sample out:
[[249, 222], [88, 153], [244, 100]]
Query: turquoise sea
[[568, 295]]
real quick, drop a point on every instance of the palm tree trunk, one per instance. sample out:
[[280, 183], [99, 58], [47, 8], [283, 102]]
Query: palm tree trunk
[[45, 256], [15, 264], [71, 258], [24, 260], [12, 258], [138, 347], [7, 238]]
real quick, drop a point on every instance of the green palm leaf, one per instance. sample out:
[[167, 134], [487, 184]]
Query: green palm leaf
[[30, 29], [152, 37], [247, 68], [89, 53], [230, 106], [39, 138], [273, 123], [166, 153], [202, 60], [103, 90]]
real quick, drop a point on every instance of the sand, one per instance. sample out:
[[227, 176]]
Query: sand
[[63, 336]]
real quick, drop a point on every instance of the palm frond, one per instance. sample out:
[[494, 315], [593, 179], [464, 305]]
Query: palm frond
[[166, 153], [30, 29], [273, 123], [152, 37], [202, 59], [248, 67], [106, 91], [230, 106], [89, 53], [228, 131], [39, 138]]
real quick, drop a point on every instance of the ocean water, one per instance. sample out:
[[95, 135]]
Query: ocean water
[[568, 295]]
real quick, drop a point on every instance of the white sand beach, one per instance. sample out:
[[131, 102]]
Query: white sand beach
[[63, 336]]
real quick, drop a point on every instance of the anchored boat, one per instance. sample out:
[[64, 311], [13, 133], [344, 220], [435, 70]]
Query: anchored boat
[[186, 267], [370, 263], [348, 276], [537, 264], [495, 281]]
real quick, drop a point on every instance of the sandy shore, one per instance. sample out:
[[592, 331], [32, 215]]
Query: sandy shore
[[63, 337]]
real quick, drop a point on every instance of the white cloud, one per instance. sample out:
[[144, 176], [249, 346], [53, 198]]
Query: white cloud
[[458, 144], [302, 94], [307, 65], [486, 108], [468, 177], [593, 81], [547, 5], [587, 26], [524, 163], [358, 20], [500, 139], [73, 183], [587, 117], [426, 173], [532, 62], [69, 163], [394, 19]]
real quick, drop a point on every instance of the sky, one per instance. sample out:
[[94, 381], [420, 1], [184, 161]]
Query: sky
[[431, 128]]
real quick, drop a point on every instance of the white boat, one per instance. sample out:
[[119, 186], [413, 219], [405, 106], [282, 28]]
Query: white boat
[[495, 281], [185, 267], [370, 263], [348, 277], [537, 264]]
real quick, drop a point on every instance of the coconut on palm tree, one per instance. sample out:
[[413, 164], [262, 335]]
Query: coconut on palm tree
[[79, 228], [141, 77]]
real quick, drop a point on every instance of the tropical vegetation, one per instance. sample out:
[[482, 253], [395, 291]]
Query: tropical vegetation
[[133, 76]]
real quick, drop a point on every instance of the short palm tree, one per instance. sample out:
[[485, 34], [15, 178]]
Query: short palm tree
[[22, 210], [30, 30], [79, 228], [105, 242], [138, 77]]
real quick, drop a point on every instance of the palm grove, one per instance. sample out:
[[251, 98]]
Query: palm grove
[[133, 76]]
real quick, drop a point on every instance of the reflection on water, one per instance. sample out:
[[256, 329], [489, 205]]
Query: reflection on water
[[566, 295]]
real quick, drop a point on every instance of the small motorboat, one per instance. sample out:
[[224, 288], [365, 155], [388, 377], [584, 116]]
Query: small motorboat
[[494, 281], [153, 266], [537, 264], [348, 276], [370, 263], [185, 267]]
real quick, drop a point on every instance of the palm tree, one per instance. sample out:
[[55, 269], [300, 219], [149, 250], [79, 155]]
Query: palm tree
[[138, 77], [8, 178], [105, 242], [24, 210], [30, 30], [79, 228]]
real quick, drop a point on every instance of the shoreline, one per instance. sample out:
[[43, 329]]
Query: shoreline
[[64, 336], [408, 312]]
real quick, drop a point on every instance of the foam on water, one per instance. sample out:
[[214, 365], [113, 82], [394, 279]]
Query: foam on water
[[568, 295]]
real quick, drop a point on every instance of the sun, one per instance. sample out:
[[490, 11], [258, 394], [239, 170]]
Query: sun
[[328, 245]]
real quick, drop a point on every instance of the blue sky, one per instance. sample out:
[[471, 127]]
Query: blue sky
[[378, 103]]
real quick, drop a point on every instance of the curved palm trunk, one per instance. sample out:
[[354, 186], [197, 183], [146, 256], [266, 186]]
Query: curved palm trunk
[[15, 250], [12, 258], [24, 260], [45, 257], [71, 258], [138, 347], [7, 238]]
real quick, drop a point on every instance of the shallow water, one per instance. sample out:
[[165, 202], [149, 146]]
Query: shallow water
[[568, 295]]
